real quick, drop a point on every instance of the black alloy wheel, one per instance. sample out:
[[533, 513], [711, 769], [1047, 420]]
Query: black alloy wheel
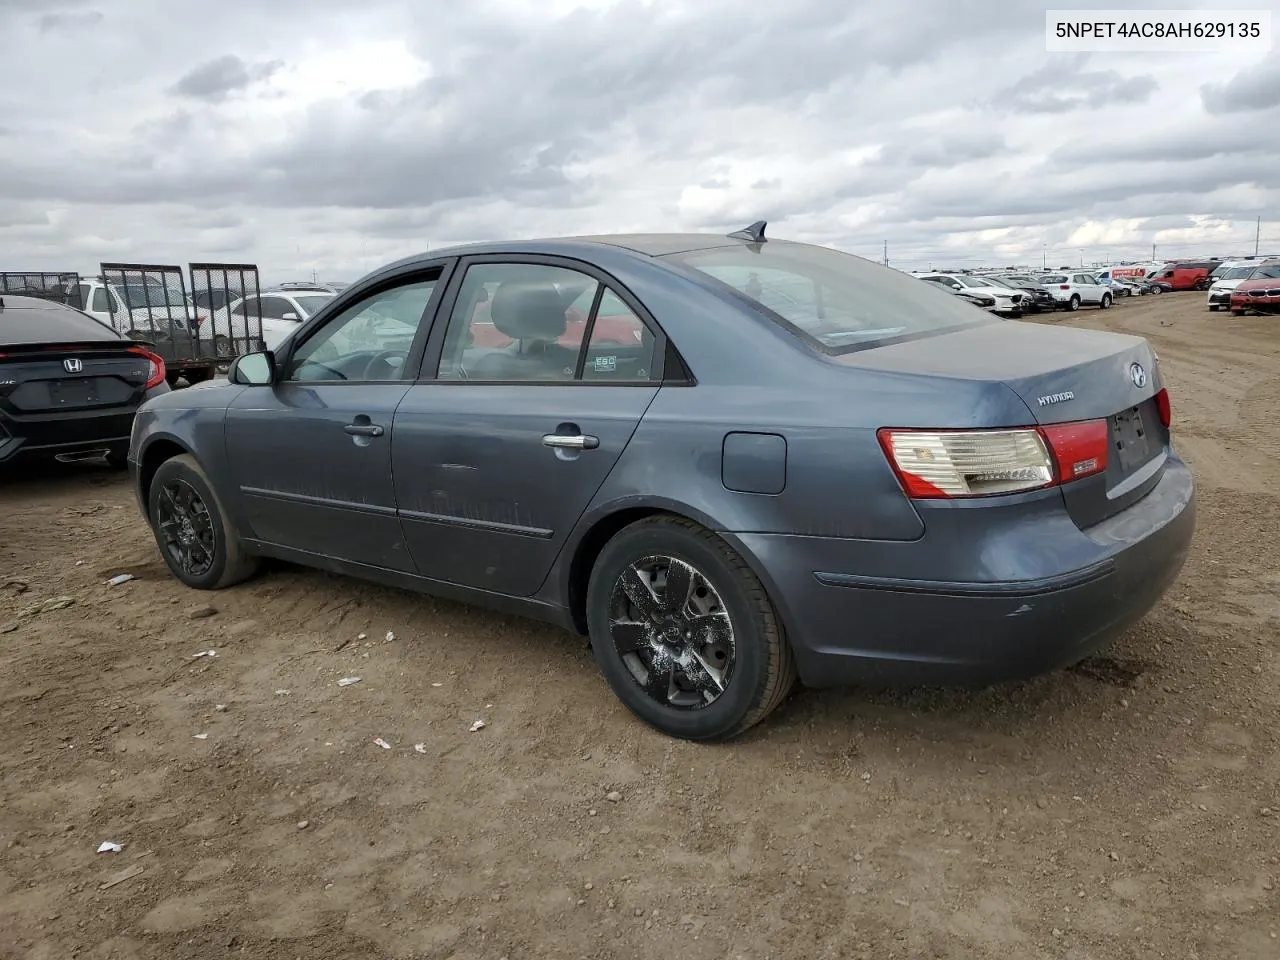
[[185, 528]]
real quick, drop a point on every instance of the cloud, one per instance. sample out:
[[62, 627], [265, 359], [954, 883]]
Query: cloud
[[217, 79], [1257, 88], [328, 136], [1063, 86]]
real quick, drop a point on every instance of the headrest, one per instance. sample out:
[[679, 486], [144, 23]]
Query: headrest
[[525, 310]]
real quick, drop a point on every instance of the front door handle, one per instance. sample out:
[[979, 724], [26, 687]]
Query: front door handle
[[363, 429], [570, 441]]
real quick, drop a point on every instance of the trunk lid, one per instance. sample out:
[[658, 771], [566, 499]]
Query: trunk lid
[[40, 379], [1062, 374]]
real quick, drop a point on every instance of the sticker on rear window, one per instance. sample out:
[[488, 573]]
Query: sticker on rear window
[[605, 364]]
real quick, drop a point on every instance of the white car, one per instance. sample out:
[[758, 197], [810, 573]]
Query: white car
[[152, 304], [1008, 301], [1076, 289], [1225, 279], [281, 312]]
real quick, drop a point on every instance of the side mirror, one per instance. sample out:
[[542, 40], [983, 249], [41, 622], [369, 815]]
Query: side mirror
[[290, 316], [253, 369]]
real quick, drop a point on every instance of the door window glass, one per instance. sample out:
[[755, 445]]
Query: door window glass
[[370, 340]]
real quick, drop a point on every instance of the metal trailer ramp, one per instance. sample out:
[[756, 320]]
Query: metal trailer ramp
[[151, 305], [229, 292], [60, 286]]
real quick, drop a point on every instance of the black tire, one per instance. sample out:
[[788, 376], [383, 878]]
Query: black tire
[[227, 564], [199, 375], [1074, 303], [760, 668], [1237, 313], [1213, 308], [1157, 289], [1106, 302]]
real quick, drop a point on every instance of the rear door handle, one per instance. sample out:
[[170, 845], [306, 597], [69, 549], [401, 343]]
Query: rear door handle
[[570, 442], [363, 429]]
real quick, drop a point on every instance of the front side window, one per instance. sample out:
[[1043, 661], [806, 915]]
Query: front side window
[[842, 302], [370, 340], [527, 322]]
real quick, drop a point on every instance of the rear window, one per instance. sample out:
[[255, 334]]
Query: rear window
[[50, 324], [840, 302], [1054, 278]]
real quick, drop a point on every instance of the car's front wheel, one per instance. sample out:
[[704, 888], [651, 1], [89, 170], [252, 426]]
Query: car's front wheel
[[191, 529], [684, 631]]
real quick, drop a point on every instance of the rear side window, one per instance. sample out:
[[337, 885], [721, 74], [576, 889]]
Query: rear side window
[[837, 301]]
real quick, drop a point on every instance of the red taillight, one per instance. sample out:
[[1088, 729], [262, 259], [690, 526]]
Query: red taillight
[[1165, 408], [156, 377], [1079, 449], [1064, 286]]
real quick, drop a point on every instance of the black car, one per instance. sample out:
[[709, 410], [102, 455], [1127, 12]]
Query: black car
[[69, 384], [1037, 298]]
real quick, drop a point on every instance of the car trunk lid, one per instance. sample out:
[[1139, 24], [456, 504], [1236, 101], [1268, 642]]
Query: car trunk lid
[[38, 379], [1063, 375]]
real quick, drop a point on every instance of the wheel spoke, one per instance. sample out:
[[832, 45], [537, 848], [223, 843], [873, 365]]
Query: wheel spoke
[[628, 636], [675, 595], [636, 586]]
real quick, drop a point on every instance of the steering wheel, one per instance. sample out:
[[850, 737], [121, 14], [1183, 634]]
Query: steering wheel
[[384, 357]]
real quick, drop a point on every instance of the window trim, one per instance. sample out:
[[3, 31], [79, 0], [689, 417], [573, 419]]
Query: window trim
[[661, 348], [441, 270]]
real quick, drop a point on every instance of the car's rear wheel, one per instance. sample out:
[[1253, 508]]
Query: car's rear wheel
[[1106, 301], [684, 631], [1074, 303], [191, 529], [1157, 289]]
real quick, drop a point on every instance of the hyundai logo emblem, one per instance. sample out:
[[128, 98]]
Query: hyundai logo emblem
[[1138, 375], [73, 365]]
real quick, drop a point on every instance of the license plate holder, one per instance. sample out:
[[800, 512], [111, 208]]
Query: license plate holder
[[1131, 440], [76, 393]]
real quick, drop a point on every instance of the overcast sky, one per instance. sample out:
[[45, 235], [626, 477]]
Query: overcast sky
[[333, 135]]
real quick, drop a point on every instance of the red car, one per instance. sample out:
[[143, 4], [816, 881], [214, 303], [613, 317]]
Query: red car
[[1259, 293], [622, 328], [1180, 276]]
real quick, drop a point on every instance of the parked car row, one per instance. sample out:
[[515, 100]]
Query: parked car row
[[1012, 295]]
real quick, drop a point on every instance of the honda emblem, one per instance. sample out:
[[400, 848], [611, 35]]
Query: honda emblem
[[73, 365]]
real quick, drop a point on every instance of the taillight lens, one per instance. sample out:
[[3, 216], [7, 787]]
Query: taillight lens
[[1165, 408], [157, 374], [949, 464], [1064, 286], [1079, 449], [940, 464]]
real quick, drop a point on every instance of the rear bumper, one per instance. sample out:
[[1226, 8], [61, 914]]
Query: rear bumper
[[41, 437], [850, 625]]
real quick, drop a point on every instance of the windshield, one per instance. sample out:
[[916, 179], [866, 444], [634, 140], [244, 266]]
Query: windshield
[[310, 305], [843, 302], [1270, 272], [1235, 273]]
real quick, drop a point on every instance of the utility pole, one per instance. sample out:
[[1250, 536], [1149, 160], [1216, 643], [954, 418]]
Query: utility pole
[[1153, 253], [1257, 237], [886, 253], [1044, 256]]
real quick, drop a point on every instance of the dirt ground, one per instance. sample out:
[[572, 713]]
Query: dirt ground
[[1126, 809]]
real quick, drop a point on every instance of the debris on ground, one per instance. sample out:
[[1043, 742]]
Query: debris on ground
[[348, 681], [128, 873], [48, 606], [382, 743], [110, 846], [613, 796], [120, 578], [282, 692], [202, 612], [204, 653], [390, 637], [303, 824], [219, 708], [201, 736], [478, 725], [420, 747]]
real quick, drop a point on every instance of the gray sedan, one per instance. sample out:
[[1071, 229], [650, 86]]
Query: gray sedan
[[729, 461]]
